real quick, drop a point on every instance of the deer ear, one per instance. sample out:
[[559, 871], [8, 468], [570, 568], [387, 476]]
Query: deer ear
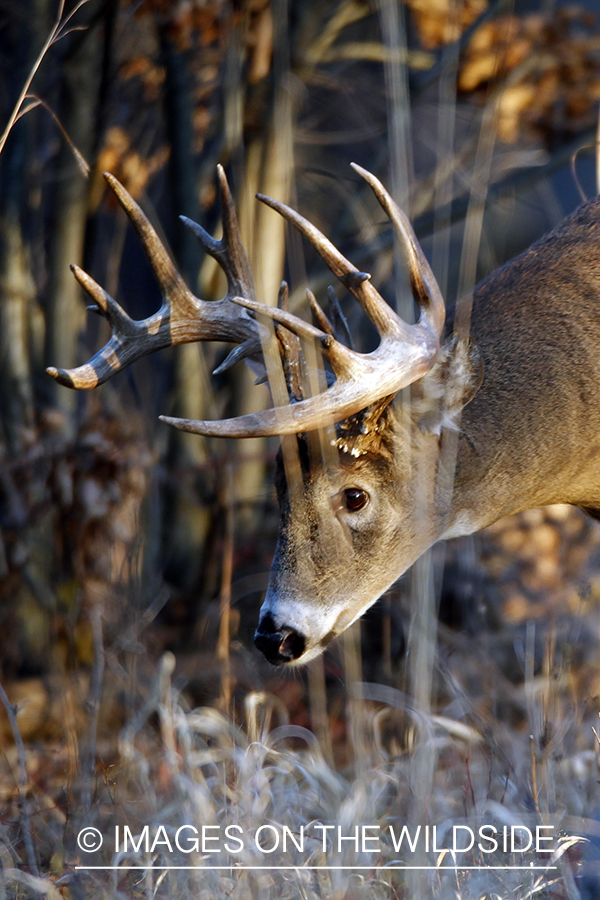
[[438, 398]]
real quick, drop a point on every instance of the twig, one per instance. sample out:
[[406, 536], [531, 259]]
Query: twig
[[11, 712], [58, 31], [36, 101]]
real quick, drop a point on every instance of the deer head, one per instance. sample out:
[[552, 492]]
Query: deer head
[[356, 473]]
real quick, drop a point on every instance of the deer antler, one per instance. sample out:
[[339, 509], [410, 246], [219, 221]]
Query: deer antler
[[182, 318], [405, 353]]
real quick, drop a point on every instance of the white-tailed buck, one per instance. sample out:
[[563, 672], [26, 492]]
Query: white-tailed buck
[[497, 420]]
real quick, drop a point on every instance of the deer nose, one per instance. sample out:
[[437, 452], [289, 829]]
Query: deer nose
[[279, 645]]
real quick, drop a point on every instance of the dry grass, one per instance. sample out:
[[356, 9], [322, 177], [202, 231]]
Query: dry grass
[[497, 754]]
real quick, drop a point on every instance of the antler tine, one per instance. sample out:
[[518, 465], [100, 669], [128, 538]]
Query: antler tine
[[358, 283], [319, 314], [106, 360], [182, 317], [423, 283], [229, 251], [177, 297]]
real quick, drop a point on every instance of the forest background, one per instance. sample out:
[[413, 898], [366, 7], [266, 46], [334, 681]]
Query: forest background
[[119, 536]]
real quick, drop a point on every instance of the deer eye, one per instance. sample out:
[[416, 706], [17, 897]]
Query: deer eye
[[355, 499]]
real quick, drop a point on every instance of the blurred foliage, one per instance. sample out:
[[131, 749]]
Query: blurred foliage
[[547, 69]]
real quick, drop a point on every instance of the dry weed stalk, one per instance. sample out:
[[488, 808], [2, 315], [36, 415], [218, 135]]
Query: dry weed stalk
[[59, 31]]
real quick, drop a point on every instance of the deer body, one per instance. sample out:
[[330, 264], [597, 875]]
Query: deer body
[[502, 419], [531, 434]]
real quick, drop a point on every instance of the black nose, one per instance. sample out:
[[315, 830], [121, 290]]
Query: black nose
[[279, 645]]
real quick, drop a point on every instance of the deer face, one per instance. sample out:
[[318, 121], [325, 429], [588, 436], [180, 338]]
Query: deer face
[[350, 536], [362, 520]]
